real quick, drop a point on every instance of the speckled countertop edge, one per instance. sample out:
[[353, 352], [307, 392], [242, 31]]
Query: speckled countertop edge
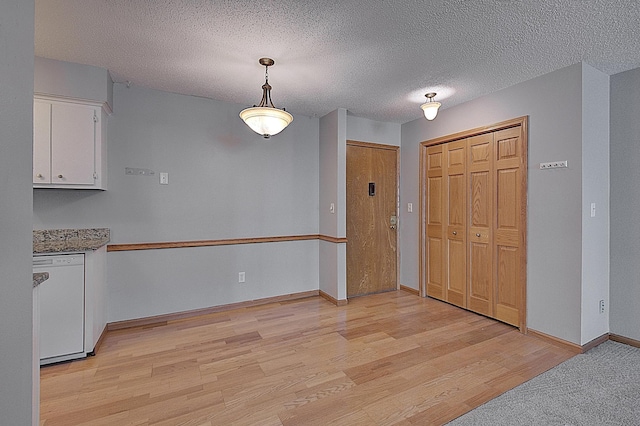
[[39, 278], [69, 240]]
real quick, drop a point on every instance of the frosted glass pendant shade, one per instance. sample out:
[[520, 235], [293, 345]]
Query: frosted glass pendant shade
[[266, 121], [430, 109]]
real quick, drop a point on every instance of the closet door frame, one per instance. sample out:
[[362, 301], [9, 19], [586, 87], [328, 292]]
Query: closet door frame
[[521, 122]]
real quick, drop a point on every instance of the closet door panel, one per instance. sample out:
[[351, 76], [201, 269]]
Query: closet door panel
[[507, 303], [481, 220], [507, 191], [456, 217], [509, 231], [434, 268], [480, 283], [435, 273], [457, 283]]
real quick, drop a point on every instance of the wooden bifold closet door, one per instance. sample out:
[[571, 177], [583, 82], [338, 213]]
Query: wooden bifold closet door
[[473, 227], [481, 224]]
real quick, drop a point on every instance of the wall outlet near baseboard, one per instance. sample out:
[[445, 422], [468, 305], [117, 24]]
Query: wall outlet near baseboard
[[601, 306], [241, 277]]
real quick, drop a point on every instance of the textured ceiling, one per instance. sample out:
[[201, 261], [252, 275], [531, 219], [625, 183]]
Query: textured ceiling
[[377, 59]]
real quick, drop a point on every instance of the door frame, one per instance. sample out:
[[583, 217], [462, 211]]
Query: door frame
[[422, 259], [397, 209]]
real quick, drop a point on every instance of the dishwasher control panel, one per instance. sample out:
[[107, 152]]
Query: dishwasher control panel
[[58, 260]]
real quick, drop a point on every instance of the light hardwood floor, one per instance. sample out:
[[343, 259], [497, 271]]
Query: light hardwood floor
[[391, 358]]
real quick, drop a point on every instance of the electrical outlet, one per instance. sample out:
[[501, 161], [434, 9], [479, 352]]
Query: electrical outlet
[[601, 305], [409, 207], [241, 277]]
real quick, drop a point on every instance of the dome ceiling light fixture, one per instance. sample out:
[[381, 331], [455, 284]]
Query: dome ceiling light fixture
[[265, 119], [430, 107]]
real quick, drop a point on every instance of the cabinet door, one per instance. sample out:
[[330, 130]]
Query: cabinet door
[[456, 225], [41, 142], [72, 144]]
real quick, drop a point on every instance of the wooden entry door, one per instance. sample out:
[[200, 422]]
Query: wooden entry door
[[372, 193]]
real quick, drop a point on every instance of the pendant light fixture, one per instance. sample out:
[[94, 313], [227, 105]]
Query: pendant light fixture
[[265, 119], [430, 107]]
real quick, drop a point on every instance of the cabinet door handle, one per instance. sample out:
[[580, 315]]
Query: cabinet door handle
[[455, 232], [39, 175], [60, 176], [477, 235]]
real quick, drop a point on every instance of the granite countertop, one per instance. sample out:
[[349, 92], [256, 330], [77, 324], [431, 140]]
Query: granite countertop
[[39, 278], [69, 240]]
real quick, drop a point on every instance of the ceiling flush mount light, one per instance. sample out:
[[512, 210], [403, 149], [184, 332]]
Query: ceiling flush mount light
[[265, 119], [430, 107]]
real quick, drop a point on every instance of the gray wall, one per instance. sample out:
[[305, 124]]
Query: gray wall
[[365, 130], [72, 80], [335, 129], [332, 187], [16, 131], [224, 182], [595, 189], [553, 103], [625, 204]]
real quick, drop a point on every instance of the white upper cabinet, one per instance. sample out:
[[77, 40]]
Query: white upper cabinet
[[69, 144], [41, 142]]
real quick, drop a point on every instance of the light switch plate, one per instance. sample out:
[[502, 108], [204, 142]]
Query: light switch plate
[[164, 178]]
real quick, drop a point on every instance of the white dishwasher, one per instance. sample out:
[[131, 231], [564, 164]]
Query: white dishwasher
[[61, 307]]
